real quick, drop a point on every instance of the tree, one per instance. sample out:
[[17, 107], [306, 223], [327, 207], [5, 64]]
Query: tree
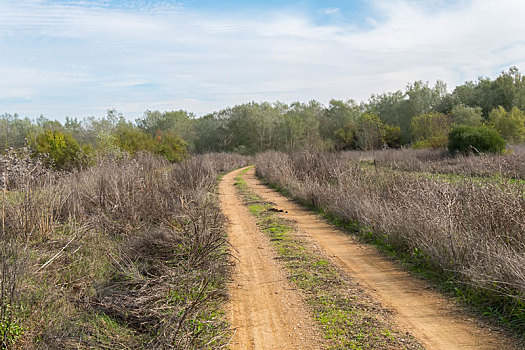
[[179, 123], [399, 108], [171, 147], [392, 136], [370, 132], [431, 130], [14, 131], [345, 137], [132, 140], [337, 116], [511, 125], [465, 115]]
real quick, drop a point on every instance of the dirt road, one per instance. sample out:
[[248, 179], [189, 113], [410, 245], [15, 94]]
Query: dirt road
[[434, 321], [264, 310]]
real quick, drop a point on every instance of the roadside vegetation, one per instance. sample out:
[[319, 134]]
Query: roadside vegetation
[[348, 318], [465, 234], [111, 236], [128, 254]]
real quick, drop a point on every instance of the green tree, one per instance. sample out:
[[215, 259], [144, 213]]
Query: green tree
[[172, 147], [431, 130], [392, 136], [511, 125], [301, 126], [335, 119], [15, 131], [370, 132], [132, 140], [345, 137], [179, 123], [466, 115], [399, 108]]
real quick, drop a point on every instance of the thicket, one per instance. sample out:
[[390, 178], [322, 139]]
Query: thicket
[[475, 139], [129, 253], [470, 233], [421, 116]]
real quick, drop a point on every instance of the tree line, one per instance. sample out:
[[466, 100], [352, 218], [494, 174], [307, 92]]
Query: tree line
[[423, 115]]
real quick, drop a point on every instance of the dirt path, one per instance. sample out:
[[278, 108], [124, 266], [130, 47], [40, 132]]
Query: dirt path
[[428, 316], [264, 310]]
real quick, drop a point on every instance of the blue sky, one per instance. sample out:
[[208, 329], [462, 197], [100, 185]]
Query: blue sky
[[81, 57]]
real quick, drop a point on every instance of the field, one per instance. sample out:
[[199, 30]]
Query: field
[[128, 254], [140, 253], [456, 220]]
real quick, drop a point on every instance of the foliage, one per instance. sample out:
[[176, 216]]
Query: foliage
[[466, 115], [338, 115], [475, 139], [345, 137], [511, 125], [9, 332], [431, 130], [62, 149], [370, 132], [421, 115], [392, 136], [171, 147]]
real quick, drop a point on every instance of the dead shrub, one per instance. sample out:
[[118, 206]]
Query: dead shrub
[[471, 230]]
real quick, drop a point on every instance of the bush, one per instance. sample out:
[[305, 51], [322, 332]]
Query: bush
[[64, 152], [479, 139]]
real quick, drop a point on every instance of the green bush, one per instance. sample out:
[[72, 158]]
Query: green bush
[[63, 150], [475, 139]]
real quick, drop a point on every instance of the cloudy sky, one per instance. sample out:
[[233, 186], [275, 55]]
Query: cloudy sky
[[81, 57]]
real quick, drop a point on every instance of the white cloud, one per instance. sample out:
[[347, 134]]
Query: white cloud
[[71, 58], [332, 10]]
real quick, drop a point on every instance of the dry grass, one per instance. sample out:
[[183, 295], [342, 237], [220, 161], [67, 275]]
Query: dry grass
[[128, 254], [473, 233], [511, 165]]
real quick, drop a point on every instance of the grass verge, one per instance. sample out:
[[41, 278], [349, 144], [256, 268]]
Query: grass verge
[[348, 317]]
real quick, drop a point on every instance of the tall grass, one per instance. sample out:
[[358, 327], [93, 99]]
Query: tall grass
[[510, 165], [472, 233], [128, 254]]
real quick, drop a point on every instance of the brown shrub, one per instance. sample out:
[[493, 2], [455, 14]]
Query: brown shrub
[[129, 253], [474, 230]]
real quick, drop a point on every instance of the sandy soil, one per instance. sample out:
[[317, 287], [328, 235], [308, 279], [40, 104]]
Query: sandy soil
[[264, 310], [434, 321]]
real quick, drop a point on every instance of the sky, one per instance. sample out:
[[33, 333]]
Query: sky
[[79, 58]]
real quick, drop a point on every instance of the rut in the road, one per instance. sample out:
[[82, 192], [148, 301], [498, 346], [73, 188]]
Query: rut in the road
[[432, 319], [265, 312]]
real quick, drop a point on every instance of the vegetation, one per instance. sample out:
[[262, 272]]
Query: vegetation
[[475, 139], [420, 116], [112, 231], [129, 253], [468, 233], [348, 317]]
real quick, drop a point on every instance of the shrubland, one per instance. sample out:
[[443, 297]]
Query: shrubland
[[128, 253], [468, 234]]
